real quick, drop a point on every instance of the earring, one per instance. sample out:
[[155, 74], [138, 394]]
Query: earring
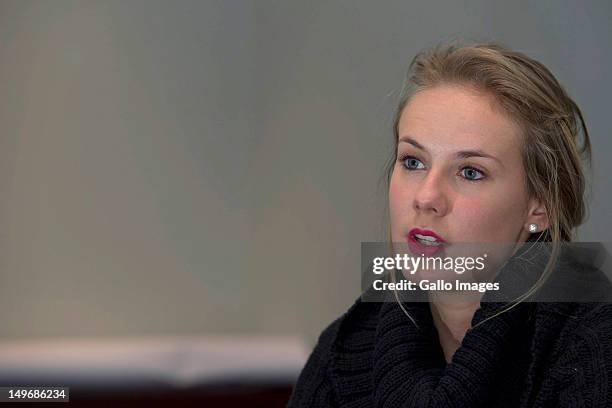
[[533, 227]]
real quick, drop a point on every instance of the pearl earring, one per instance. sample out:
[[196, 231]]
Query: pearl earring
[[533, 227]]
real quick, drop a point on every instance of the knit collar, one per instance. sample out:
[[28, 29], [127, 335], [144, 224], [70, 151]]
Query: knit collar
[[383, 359], [409, 366], [390, 362]]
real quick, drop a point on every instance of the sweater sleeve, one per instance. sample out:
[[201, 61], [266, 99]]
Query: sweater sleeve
[[313, 387], [584, 371]]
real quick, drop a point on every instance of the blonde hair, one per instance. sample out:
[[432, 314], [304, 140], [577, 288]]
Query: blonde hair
[[550, 120]]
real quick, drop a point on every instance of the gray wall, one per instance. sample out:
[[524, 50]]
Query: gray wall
[[212, 166]]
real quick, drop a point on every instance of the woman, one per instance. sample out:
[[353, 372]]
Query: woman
[[486, 149]]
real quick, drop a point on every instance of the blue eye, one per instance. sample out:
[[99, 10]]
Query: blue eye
[[471, 174], [411, 163]]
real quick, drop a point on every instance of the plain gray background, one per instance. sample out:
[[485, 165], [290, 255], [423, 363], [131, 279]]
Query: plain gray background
[[212, 166]]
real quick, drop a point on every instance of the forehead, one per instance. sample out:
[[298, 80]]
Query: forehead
[[455, 118]]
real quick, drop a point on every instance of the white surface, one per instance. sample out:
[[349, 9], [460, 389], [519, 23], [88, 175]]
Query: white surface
[[167, 361]]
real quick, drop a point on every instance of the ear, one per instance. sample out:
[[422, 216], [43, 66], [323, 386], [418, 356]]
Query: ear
[[537, 215]]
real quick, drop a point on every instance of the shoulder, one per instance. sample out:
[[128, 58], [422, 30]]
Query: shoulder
[[589, 322], [584, 367], [593, 332], [575, 323], [314, 385]]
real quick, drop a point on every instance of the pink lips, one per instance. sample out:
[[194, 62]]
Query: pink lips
[[417, 248]]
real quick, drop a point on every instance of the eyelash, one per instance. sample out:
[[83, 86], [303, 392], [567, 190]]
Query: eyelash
[[403, 159]]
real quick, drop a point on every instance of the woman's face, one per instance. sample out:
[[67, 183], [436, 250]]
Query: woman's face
[[459, 171]]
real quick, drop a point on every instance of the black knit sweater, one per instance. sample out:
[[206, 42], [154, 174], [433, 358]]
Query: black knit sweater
[[533, 355]]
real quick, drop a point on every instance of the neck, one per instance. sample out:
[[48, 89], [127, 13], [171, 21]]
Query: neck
[[452, 320]]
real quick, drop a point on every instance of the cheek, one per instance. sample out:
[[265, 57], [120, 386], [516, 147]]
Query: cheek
[[492, 219], [398, 199], [400, 207]]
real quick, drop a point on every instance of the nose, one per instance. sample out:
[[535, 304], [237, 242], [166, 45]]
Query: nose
[[430, 195]]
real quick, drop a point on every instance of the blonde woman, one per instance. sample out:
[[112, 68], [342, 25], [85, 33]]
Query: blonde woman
[[488, 147]]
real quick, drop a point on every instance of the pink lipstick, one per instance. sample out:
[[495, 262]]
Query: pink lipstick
[[424, 242]]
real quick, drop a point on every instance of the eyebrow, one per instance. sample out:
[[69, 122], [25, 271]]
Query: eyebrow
[[463, 154]]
